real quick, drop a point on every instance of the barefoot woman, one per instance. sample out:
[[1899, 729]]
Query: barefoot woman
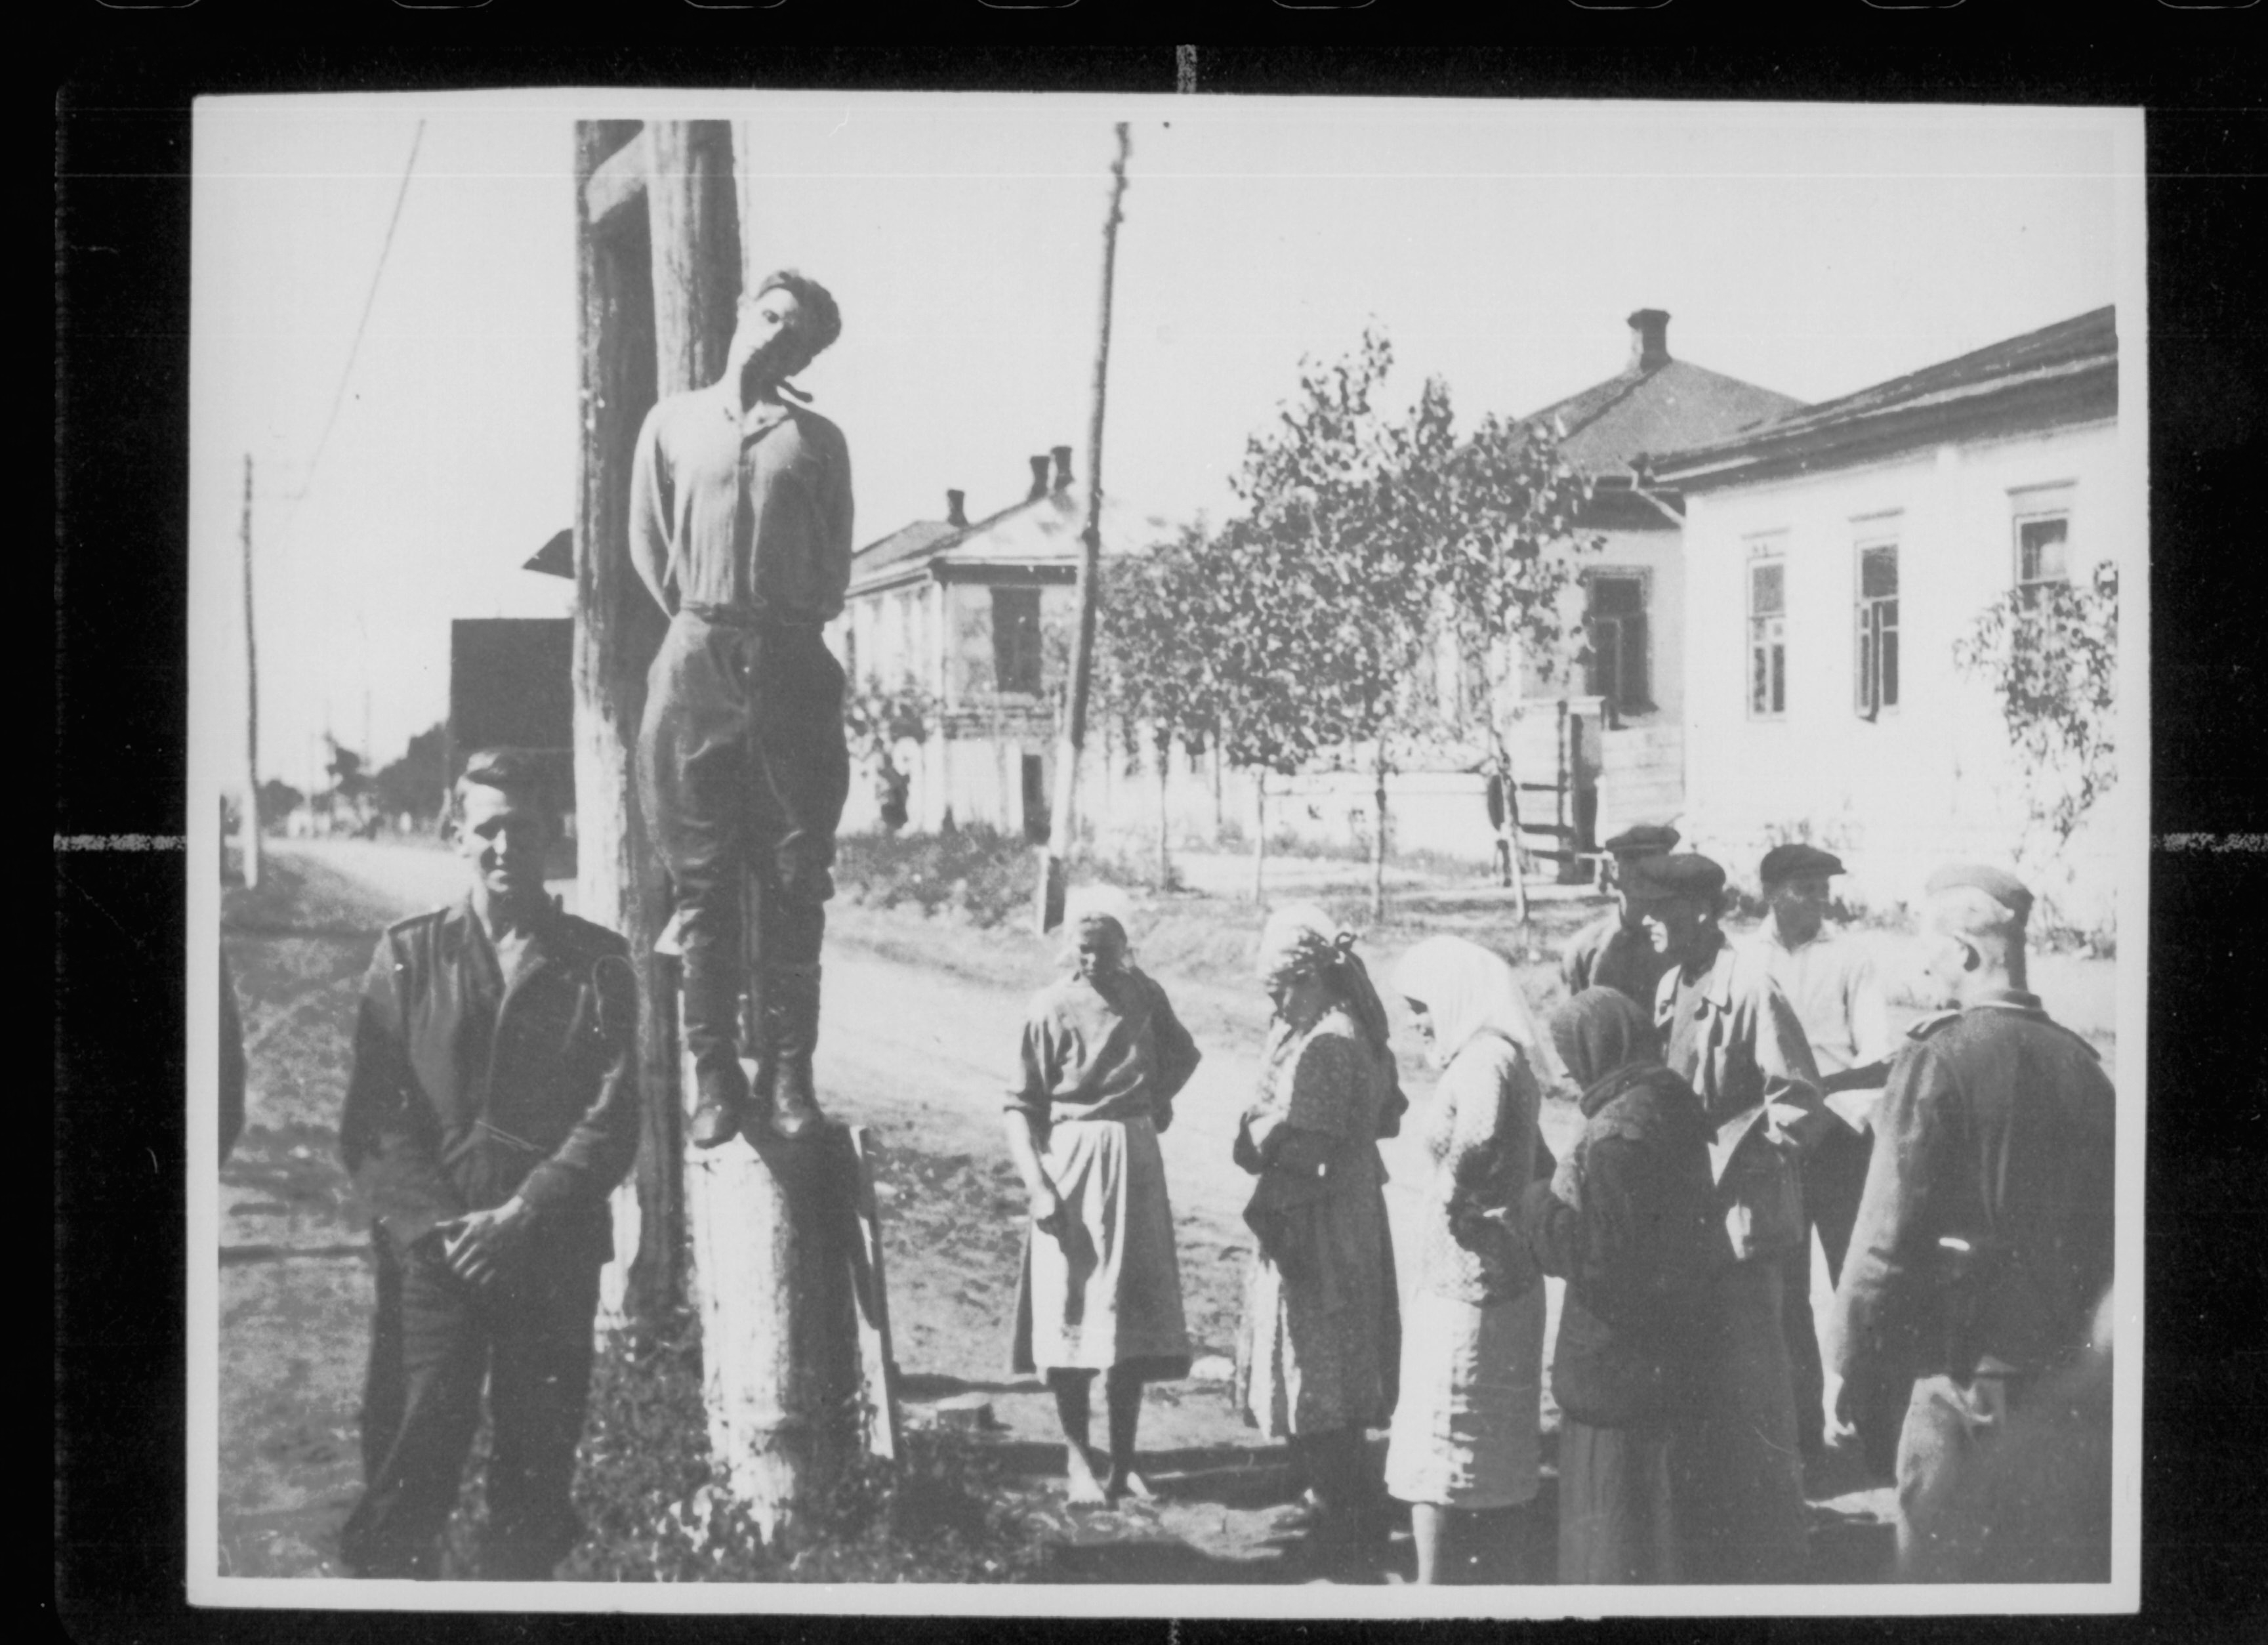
[[1103, 1056]]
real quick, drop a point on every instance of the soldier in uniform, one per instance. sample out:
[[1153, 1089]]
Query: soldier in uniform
[[1615, 951], [1729, 1032], [1830, 982], [1984, 1239], [492, 1107], [740, 528]]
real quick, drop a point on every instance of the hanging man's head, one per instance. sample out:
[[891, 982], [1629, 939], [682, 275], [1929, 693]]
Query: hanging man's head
[[501, 824], [1794, 882], [1974, 932], [1686, 895], [785, 321]]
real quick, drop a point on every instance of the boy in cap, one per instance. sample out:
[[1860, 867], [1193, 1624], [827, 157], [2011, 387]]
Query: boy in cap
[[1830, 982], [1729, 1032], [1613, 951], [1984, 1239]]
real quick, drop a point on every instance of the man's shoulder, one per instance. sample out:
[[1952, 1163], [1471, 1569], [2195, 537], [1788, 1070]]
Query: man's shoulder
[[817, 426], [419, 929], [673, 410]]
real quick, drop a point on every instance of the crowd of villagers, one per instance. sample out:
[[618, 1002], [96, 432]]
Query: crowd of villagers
[[1652, 1484]]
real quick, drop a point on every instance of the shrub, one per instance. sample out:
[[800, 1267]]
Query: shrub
[[656, 1508], [973, 874]]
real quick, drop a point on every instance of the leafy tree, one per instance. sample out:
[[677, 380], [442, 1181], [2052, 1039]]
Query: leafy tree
[[1338, 500], [1502, 507], [278, 800], [876, 718], [417, 782], [2051, 654], [1156, 677]]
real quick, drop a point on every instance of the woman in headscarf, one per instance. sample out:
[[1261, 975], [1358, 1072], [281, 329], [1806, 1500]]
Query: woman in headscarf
[[1318, 1345], [1629, 1222], [1101, 1059], [1464, 1439]]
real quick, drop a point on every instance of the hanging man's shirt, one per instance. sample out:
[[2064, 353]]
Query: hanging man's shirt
[[695, 541]]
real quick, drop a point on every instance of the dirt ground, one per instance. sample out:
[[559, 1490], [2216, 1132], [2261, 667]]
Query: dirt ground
[[921, 1028]]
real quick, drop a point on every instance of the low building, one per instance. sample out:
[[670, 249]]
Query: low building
[[1833, 558], [977, 617], [1622, 742]]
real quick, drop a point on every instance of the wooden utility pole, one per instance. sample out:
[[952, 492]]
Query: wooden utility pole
[[1062, 829], [618, 629], [251, 818]]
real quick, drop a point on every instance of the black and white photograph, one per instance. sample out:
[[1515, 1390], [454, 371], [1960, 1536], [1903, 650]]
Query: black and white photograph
[[1072, 853]]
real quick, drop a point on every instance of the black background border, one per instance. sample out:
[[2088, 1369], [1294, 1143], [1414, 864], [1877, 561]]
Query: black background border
[[123, 80]]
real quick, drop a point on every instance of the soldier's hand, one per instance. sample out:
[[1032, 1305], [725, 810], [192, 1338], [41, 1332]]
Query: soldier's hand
[[1842, 1414], [480, 1241]]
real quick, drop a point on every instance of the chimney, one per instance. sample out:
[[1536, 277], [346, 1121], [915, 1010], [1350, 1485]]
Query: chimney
[[1649, 340], [955, 512], [1039, 478], [1061, 454]]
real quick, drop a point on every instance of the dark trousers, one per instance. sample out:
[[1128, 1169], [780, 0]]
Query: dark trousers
[[435, 1341], [1834, 1177], [743, 771]]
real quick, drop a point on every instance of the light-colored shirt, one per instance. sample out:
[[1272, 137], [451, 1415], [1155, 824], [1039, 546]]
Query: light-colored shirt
[[741, 508], [1830, 981]]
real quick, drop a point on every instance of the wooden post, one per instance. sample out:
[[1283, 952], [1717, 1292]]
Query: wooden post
[[1063, 822], [617, 630], [251, 818]]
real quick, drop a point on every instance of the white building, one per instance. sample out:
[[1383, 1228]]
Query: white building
[[1834, 556]]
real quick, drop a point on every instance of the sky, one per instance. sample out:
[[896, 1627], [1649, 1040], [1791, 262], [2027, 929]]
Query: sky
[[1812, 249]]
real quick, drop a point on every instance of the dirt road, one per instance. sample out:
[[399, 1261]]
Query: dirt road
[[914, 1046]]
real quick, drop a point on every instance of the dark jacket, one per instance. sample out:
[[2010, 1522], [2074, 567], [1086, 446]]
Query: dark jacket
[[1996, 1130], [1638, 1252], [464, 1093]]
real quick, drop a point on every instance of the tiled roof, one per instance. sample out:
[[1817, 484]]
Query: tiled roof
[[1639, 413], [1036, 531], [2066, 369]]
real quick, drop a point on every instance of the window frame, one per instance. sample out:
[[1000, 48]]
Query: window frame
[[1644, 702], [1879, 535], [2033, 504], [1768, 548], [1002, 655]]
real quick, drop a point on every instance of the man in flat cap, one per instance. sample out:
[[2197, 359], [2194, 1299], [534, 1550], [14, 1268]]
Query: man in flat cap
[[1831, 982], [1729, 1031], [740, 527], [492, 1107], [1984, 1239], [1615, 951]]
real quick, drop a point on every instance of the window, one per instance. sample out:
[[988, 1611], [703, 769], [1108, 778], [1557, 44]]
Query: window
[[2042, 525], [1878, 628], [1767, 633], [1619, 670], [1016, 639]]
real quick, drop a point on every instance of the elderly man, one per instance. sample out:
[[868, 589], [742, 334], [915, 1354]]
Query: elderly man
[[1615, 951], [1984, 1240], [1729, 1031], [740, 527], [492, 1107], [1831, 982]]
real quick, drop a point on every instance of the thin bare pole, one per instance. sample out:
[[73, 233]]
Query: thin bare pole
[[251, 818], [1063, 831]]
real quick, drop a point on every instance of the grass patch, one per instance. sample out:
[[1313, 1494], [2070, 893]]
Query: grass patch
[[974, 876], [655, 1509]]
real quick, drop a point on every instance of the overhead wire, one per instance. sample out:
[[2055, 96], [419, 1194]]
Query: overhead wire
[[369, 301]]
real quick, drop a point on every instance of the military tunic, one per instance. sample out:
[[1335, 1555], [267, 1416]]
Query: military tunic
[[1996, 1133], [466, 1091]]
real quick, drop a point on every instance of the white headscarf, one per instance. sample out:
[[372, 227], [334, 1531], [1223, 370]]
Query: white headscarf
[[1466, 991], [1297, 940]]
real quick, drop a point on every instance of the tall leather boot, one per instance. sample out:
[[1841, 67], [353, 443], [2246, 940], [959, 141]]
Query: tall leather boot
[[711, 1019], [791, 1024]]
